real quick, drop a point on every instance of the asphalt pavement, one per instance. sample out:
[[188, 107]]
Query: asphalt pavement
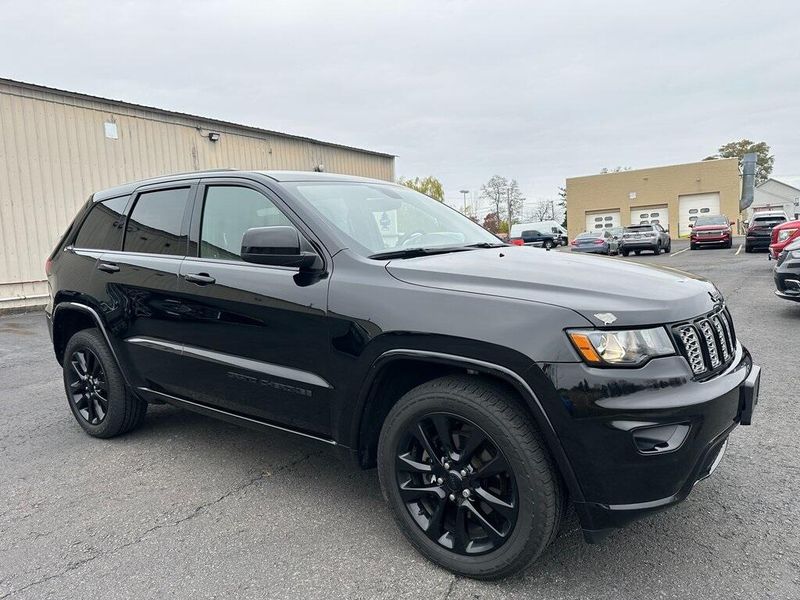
[[191, 507]]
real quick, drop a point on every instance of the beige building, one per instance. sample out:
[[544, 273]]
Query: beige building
[[58, 147], [673, 196]]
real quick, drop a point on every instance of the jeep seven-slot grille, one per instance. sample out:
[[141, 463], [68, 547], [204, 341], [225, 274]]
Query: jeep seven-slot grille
[[707, 343]]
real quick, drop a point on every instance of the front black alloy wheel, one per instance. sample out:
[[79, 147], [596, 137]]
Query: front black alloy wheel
[[468, 478], [456, 484], [88, 386]]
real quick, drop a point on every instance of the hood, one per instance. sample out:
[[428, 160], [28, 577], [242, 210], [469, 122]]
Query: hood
[[590, 285]]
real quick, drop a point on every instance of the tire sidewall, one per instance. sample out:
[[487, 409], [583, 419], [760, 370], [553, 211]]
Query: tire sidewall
[[529, 536], [90, 339]]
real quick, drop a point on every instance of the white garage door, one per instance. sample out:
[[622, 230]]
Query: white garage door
[[693, 206], [602, 220], [645, 215]]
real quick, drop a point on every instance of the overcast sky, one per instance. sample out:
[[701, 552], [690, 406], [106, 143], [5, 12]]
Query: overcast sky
[[460, 90]]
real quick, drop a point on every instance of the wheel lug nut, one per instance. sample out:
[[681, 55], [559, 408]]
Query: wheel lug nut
[[440, 481], [463, 473], [466, 493], [447, 465], [452, 497]]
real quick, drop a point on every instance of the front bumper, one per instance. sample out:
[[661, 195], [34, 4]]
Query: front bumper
[[787, 280], [609, 419], [710, 240]]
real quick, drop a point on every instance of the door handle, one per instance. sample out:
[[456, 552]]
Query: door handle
[[107, 267], [199, 278]]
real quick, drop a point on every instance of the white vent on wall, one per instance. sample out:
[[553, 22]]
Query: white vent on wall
[[111, 130]]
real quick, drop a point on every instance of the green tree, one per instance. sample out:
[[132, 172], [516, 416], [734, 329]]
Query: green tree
[[430, 186], [764, 160]]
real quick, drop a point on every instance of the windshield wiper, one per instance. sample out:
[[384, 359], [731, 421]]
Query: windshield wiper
[[486, 245], [414, 252]]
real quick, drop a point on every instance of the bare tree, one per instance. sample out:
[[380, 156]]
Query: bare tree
[[539, 211], [494, 191]]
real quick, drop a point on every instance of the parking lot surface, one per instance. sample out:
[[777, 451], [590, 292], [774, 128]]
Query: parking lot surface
[[190, 507]]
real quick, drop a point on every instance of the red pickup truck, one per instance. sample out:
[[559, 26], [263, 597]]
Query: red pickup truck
[[783, 235]]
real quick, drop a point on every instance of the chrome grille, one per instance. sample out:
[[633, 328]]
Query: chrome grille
[[707, 343], [723, 339], [691, 347]]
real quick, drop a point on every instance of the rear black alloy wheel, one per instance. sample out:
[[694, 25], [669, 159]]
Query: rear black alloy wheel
[[88, 386], [456, 484], [98, 397]]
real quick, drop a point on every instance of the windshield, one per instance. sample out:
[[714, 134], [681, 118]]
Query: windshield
[[379, 218], [591, 234], [639, 228], [715, 220]]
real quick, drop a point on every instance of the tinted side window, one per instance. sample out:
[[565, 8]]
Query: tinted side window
[[229, 211], [102, 228], [155, 223]]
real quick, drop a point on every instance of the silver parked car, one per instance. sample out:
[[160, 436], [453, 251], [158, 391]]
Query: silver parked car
[[652, 237], [601, 241]]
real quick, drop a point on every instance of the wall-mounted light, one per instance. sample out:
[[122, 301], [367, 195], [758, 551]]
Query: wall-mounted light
[[214, 136], [319, 168]]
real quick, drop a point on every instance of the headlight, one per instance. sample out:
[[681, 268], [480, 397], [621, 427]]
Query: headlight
[[785, 234], [621, 348], [795, 253]]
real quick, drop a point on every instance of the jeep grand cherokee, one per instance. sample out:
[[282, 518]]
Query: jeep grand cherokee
[[489, 384]]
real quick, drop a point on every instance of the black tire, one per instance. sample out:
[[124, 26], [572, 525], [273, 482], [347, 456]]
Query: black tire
[[748, 248], [548, 244], [637, 252], [657, 249], [624, 252], [121, 411], [729, 245], [514, 436], [668, 249], [692, 247]]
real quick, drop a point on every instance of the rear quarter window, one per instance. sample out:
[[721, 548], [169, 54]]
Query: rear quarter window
[[103, 226]]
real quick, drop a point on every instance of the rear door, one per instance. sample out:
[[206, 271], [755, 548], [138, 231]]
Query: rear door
[[140, 285], [255, 337]]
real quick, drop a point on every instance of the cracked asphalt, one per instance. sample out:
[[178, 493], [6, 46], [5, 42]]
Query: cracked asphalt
[[190, 507]]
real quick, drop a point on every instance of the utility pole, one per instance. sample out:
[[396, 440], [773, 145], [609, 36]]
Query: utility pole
[[465, 192], [508, 197]]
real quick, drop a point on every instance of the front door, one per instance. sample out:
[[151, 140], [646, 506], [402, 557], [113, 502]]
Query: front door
[[255, 337]]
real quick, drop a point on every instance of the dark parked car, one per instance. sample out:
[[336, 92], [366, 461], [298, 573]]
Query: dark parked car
[[759, 232], [787, 272], [600, 241], [276, 300], [636, 238], [533, 237], [711, 230]]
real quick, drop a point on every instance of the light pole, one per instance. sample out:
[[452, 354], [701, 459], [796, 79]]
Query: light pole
[[465, 192]]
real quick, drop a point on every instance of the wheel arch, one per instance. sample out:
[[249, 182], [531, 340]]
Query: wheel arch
[[69, 318], [430, 365]]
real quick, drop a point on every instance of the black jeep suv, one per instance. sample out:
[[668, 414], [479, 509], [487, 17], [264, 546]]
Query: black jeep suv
[[490, 384]]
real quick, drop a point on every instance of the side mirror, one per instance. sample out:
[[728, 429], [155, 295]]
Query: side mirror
[[691, 225], [278, 246]]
